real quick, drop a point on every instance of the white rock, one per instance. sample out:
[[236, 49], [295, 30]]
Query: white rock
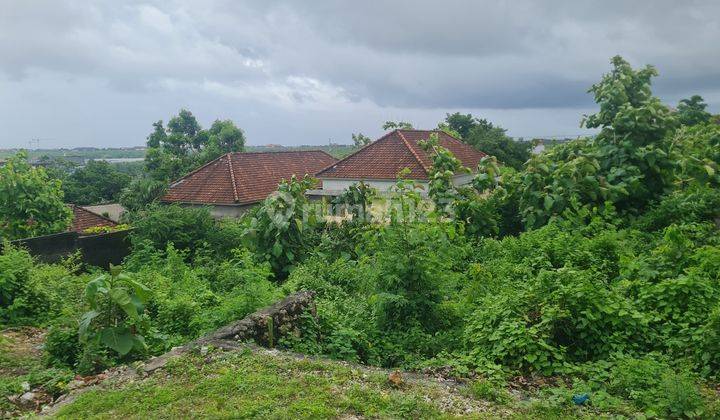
[[27, 398]]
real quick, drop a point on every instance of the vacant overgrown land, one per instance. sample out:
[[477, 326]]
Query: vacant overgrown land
[[481, 280]]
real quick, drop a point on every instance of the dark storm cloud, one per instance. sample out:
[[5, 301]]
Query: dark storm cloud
[[350, 61]]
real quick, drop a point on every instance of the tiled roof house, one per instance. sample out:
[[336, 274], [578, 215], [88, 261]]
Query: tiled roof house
[[85, 219], [379, 163], [233, 182]]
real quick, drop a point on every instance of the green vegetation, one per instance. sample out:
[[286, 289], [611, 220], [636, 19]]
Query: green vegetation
[[265, 386], [184, 145], [95, 183], [585, 279], [79, 152], [31, 204], [488, 138]]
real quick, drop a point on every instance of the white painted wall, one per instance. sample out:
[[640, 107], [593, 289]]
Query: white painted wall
[[223, 212], [462, 179], [114, 211], [334, 184], [342, 184]]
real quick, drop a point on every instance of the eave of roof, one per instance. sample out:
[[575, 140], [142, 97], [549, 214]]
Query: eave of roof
[[235, 185]]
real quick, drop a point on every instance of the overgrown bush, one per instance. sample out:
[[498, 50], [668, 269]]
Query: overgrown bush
[[62, 346], [279, 227], [190, 299], [33, 293], [187, 228]]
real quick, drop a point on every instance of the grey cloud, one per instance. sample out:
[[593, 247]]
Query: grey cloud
[[387, 59]]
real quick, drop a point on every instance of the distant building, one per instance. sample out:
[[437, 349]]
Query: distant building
[[379, 163], [85, 219], [234, 182]]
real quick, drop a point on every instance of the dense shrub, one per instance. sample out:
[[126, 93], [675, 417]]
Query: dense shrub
[[187, 228], [187, 300], [62, 346], [656, 388], [34, 294], [280, 228], [392, 305]]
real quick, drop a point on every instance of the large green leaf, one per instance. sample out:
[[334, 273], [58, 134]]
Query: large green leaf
[[115, 270], [85, 321], [122, 298], [97, 285], [119, 339], [142, 291]]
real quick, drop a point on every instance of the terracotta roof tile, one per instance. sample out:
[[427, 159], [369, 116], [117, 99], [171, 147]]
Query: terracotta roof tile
[[244, 178], [84, 219], [399, 149]]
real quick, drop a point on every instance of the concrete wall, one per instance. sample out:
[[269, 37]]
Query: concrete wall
[[97, 250], [462, 179]]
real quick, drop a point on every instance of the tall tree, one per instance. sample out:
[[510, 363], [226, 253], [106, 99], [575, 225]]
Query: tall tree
[[361, 139], [397, 125], [692, 111], [223, 137], [184, 145], [31, 203], [488, 138], [460, 124]]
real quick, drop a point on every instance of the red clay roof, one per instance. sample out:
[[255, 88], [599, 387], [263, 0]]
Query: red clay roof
[[244, 178], [395, 151], [84, 219]]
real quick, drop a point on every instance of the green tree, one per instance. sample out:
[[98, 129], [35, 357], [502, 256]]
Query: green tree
[[115, 319], [31, 203], [627, 164], [397, 125], [226, 136], [97, 182], [445, 166], [460, 123], [142, 192], [692, 111], [357, 198], [488, 138], [278, 227], [361, 139], [184, 145]]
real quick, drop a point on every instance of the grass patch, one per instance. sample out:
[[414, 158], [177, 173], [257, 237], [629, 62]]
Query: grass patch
[[249, 384]]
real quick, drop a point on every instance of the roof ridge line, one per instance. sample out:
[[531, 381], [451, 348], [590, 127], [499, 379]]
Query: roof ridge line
[[407, 143], [353, 153], [259, 152], [232, 178]]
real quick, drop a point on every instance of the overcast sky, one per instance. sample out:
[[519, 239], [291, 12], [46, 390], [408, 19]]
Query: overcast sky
[[305, 72]]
